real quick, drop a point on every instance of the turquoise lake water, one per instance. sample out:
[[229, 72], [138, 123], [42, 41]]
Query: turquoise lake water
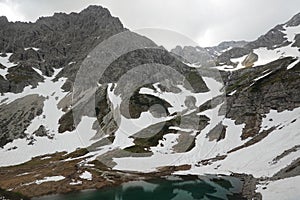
[[169, 188]]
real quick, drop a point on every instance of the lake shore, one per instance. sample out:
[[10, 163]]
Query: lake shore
[[29, 178]]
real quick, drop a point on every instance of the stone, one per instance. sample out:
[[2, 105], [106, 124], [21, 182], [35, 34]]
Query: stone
[[41, 131], [250, 60]]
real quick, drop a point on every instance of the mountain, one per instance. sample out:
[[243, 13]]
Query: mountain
[[282, 40], [86, 103], [205, 56]]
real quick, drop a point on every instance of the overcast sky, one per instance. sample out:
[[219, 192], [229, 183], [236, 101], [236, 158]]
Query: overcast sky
[[206, 22]]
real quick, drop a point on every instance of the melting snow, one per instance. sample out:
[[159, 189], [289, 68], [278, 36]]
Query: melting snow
[[246, 160], [268, 55], [232, 93], [86, 175], [68, 141], [262, 76], [34, 48], [76, 182], [50, 178], [291, 32], [202, 149], [243, 161], [165, 145], [293, 64], [177, 100], [5, 62], [285, 189], [239, 61]]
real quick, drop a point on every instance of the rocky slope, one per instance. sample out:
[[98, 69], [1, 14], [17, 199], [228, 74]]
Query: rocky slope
[[83, 81], [282, 35], [205, 56]]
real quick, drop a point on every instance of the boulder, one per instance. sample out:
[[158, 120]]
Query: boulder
[[250, 60]]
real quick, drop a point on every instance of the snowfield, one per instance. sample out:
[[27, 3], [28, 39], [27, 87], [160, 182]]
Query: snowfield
[[284, 189], [266, 55], [68, 141], [257, 159]]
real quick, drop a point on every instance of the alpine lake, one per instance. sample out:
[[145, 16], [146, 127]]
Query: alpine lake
[[208, 187]]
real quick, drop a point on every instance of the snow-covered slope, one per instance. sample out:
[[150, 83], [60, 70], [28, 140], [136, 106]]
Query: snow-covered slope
[[241, 116]]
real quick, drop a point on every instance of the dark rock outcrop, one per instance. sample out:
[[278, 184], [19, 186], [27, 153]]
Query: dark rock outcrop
[[41, 131], [16, 117], [196, 55], [256, 95]]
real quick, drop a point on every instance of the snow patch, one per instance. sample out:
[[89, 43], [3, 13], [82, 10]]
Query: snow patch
[[49, 179], [246, 160], [165, 145], [76, 182], [293, 64], [68, 141], [34, 48], [262, 76], [86, 175], [6, 63], [291, 32]]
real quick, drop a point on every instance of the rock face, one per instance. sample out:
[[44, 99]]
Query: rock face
[[294, 21], [272, 39], [196, 55], [16, 117], [297, 41], [253, 99], [205, 56], [217, 133], [57, 41], [145, 65], [21, 76], [225, 46], [41, 131]]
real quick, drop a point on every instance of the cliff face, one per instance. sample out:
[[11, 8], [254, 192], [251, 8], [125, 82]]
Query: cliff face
[[53, 42], [37, 55]]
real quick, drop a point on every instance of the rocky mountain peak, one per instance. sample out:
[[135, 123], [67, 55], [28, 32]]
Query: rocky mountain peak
[[3, 20], [227, 44], [275, 38], [294, 21], [91, 16], [56, 40], [94, 9]]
